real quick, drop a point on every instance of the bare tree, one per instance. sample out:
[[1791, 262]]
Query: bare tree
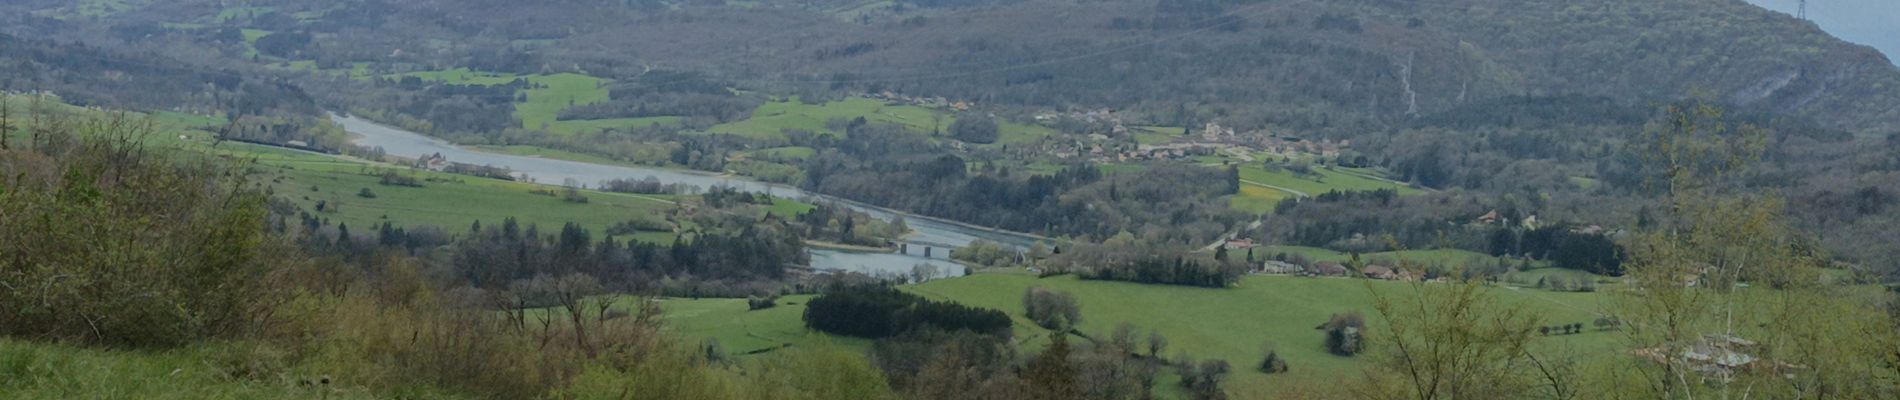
[[1452, 341]]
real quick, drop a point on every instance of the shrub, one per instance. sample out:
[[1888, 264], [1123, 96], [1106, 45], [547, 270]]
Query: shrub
[[1051, 309], [1203, 380], [572, 195], [108, 242], [1273, 364], [366, 193], [391, 178], [755, 303], [1344, 334]]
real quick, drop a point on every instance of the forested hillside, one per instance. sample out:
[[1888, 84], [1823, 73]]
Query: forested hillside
[[1323, 65], [84, 75]]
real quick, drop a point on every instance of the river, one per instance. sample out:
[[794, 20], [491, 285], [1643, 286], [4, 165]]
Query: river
[[926, 233]]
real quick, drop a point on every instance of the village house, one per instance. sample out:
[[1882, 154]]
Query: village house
[[1214, 132], [1488, 218], [1329, 268], [1380, 272], [1279, 268]]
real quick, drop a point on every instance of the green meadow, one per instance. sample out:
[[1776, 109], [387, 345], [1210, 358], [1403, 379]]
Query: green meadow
[[1257, 199], [544, 103], [739, 331], [449, 201], [771, 119], [543, 152], [1323, 180], [1157, 134], [1234, 324], [1262, 189]]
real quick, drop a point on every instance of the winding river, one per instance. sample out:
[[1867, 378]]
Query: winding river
[[927, 234]]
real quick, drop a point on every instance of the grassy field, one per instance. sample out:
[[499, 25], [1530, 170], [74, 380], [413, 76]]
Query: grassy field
[[1156, 134], [1235, 324], [562, 91], [543, 152], [771, 119], [1322, 181], [544, 104], [1262, 189], [596, 125], [452, 202], [740, 331], [1231, 324], [1257, 199]]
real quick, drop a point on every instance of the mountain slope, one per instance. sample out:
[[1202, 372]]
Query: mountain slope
[[1340, 66]]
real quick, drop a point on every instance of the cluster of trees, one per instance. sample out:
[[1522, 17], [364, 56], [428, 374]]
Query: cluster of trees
[[992, 254], [180, 254], [1376, 221], [974, 128], [838, 223], [451, 107], [691, 95], [886, 166], [95, 76], [394, 178], [1562, 283], [936, 365], [875, 311], [1054, 310], [1125, 258], [650, 185], [1563, 245], [1179, 270], [729, 263]]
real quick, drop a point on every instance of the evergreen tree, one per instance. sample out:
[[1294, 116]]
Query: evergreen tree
[[1050, 376]]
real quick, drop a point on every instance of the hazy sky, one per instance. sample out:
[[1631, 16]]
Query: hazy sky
[[1870, 22]]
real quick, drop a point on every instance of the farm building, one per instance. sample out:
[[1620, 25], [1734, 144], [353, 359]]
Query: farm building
[[1382, 272], [1329, 268], [1280, 268]]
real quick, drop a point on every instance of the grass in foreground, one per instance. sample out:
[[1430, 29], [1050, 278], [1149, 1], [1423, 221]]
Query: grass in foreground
[[31, 370]]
